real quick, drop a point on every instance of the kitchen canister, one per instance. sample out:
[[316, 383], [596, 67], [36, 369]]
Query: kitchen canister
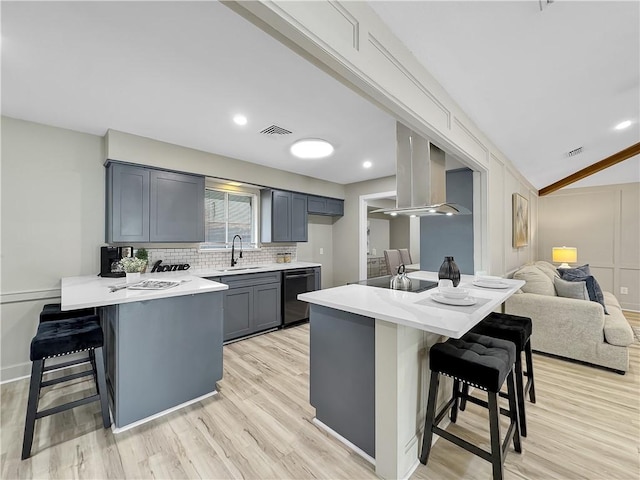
[[280, 258], [287, 257], [449, 270]]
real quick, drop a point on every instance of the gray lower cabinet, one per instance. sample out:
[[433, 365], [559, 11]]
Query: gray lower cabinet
[[283, 216], [161, 353], [150, 205], [252, 304]]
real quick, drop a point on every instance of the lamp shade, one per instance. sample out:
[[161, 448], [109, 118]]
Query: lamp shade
[[564, 255]]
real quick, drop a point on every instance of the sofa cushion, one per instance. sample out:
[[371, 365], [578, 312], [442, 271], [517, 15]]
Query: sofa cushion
[[536, 280], [569, 289], [617, 330], [583, 274], [547, 268], [610, 300]]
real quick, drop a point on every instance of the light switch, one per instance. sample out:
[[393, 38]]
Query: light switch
[[321, 251], [374, 252]]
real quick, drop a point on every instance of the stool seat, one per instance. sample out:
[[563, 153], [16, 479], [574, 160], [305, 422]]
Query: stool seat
[[65, 336], [479, 360], [514, 328], [53, 311]]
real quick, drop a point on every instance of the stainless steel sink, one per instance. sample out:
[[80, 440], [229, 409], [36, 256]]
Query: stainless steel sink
[[234, 269]]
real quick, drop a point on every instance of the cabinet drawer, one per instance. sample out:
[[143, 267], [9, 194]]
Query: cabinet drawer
[[251, 279]]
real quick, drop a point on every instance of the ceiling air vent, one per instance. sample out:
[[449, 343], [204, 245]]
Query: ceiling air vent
[[275, 130], [574, 152]]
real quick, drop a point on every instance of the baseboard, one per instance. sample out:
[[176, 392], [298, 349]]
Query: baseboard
[[23, 370], [343, 440]]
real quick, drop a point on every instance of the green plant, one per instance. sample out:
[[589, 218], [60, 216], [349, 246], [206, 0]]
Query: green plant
[[142, 254], [133, 264]]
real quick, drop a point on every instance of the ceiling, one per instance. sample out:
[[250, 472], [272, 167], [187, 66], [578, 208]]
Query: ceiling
[[538, 83]]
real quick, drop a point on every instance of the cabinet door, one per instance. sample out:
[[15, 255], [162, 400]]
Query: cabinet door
[[281, 216], [177, 207], [335, 207], [316, 205], [318, 275], [267, 306], [298, 218], [127, 204], [238, 312]]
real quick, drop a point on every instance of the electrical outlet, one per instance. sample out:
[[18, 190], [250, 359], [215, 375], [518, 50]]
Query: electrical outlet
[[321, 251], [624, 291]]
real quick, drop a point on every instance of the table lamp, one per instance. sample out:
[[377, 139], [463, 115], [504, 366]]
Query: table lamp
[[564, 256]]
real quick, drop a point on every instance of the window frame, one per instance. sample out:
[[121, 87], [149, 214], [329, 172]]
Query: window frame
[[253, 244]]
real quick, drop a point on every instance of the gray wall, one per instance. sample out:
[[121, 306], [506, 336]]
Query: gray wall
[[603, 223], [442, 236]]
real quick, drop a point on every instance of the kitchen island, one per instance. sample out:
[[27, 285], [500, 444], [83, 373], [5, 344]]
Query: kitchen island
[[369, 370], [163, 348]]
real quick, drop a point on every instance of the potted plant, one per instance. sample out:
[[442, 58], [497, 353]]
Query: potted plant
[[132, 266], [142, 254]]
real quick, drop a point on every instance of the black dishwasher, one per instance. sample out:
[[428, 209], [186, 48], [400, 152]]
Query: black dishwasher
[[295, 282]]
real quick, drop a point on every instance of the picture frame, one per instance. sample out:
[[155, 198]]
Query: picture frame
[[520, 221]]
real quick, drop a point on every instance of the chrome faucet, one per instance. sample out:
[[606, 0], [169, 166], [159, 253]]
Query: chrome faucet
[[233, 250]]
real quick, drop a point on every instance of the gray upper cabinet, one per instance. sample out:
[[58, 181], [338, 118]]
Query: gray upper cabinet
[[325, 206], [284, 216], [149, 205]]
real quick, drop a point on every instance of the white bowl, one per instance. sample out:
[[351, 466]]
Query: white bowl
[[453, 292], [489, 279]]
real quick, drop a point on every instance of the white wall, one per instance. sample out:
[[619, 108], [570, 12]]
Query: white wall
[[320, 237], [603, 223]]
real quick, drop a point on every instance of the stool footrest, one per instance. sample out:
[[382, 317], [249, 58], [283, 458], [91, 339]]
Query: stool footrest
[[67, 406], [484, 404], [470, 447], [70, 363], [72, 376]]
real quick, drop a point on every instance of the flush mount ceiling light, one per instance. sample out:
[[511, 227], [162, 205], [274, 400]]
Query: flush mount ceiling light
[[367, 164], [240, 120], [623, 125], [311, 148]]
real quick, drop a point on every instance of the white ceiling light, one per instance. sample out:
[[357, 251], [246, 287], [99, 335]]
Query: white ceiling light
[[311, 148], [367, 164], [623, 125], [393, 214], [240, 120]]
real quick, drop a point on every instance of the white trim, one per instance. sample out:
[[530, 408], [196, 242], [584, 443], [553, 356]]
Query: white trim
[[362, 229], [29, 295], [115, 429], [343, 440]]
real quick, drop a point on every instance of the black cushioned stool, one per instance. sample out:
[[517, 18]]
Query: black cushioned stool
[[485, 363], [518, 330], [56, 338]]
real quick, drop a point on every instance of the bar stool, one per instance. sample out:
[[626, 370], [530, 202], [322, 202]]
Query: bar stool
[[53, 311], [518, 330], [56, 338], [485, 363]]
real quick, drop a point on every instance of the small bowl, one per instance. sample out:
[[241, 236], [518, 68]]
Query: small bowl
[[453, 292]]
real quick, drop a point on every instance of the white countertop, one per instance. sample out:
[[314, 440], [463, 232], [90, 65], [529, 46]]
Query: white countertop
[[93, 291], [415, 310], [243, 269]]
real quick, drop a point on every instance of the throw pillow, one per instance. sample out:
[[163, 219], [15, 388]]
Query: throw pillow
[[567, 289], [547, 268], [536, 281], [593, 287]]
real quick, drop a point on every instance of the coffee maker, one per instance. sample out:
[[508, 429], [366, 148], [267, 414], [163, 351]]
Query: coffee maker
[[109, 258]]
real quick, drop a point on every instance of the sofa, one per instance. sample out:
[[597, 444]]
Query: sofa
[[572, 328]]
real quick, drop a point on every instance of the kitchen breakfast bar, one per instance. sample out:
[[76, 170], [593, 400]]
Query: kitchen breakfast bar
[[163, 348], [369, 370]]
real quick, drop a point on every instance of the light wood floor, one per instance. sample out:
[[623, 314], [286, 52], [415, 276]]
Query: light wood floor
[[585, 425]]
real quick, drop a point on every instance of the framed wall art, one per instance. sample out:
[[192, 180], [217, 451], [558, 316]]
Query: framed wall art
[[520, 221]]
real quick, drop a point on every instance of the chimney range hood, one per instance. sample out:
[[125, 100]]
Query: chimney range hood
[[420, 178]]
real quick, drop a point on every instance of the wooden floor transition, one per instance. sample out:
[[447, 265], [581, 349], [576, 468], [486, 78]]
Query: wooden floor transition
[[585, 425]]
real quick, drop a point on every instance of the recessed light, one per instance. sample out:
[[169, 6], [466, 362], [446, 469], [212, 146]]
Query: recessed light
[[623, 125], [449, 214], [240, 120], [234, 184], [367, 164], [413, 216], [393, 214], [432, 210], [310, 148]]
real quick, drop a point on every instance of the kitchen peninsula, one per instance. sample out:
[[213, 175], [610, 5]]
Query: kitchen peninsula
[[163, 347], [369, 371]]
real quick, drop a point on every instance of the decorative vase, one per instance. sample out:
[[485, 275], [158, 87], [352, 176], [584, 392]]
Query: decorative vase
[[449, 270], [133, 277]]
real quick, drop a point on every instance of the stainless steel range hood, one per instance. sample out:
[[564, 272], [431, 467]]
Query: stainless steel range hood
[[420, 178]]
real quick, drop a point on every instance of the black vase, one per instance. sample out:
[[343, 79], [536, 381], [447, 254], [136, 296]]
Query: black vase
[[449, 270]]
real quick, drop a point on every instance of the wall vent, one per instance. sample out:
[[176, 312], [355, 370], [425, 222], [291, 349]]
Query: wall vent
[[574, 152], [275, 130]]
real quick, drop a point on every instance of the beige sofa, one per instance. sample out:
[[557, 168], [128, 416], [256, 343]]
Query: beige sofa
[[569, 327]]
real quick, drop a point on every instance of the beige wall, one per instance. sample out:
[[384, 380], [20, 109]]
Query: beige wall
[[320, 237], [400, 232], [603, 223]]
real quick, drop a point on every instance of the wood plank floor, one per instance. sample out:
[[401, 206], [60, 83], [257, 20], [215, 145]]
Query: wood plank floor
[[585, 425]]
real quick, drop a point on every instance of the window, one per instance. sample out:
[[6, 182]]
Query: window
[[227, 214]]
